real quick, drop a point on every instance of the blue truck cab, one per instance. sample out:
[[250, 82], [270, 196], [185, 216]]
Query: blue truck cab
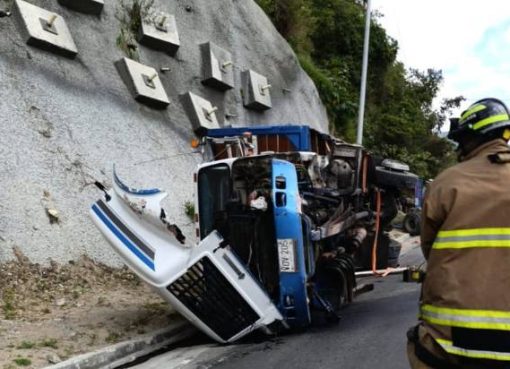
[[254, 203]]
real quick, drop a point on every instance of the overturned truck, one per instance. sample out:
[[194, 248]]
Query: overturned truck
[[285, 216]]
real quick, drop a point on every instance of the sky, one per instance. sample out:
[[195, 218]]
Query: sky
[[468, 40]]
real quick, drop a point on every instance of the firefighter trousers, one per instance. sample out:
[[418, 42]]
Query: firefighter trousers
[[424, 353]]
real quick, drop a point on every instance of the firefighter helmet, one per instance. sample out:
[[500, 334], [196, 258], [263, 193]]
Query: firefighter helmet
[[481, 117]]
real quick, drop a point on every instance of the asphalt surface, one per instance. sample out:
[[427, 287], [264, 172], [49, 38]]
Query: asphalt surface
[[371, 334]]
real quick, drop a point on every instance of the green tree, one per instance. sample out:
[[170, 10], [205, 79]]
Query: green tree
[[400, 120], [294, 20]]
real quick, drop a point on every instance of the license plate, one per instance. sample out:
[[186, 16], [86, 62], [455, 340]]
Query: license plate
[[287, 255]]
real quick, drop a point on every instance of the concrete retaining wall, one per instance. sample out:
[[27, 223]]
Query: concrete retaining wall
[[65, 122]]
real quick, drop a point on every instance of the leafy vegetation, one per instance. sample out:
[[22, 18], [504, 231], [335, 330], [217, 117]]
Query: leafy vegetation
[[112, 337], [9, 304], [130, 14], [400, 119], [189, 210], [25, 345], [22, 361], [49, 342]]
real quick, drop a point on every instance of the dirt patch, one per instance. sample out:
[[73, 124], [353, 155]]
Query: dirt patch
[[48, 314]]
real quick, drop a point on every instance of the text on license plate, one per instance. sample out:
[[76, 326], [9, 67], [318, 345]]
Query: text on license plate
[[287, 255]]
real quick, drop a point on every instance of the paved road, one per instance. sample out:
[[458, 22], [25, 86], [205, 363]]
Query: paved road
[[370, 335]]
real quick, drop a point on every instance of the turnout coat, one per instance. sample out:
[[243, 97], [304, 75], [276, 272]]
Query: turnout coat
[[465, 304]]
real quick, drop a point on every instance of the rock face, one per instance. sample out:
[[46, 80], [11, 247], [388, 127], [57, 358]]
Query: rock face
[[65, 122]]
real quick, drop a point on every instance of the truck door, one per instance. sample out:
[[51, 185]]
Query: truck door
[[213, 194]]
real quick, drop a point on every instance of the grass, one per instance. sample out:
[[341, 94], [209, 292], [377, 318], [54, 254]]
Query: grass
[[126, 42], [92, 339], [112, 337], [103, 301], [49, 342], [25, 345], [131, 14], [189, 210], [68, 352], [22, 361], [9, 306], [156, 307]]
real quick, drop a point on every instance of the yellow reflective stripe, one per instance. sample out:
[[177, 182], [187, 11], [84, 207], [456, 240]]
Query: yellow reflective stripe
[[471, 244], [473, 110], [475, 354], [475, 237], [466, 318], [460, 324], [473, 232], [467, 312], [490, 120]]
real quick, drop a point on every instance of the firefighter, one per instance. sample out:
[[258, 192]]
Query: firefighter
[[465, 302]]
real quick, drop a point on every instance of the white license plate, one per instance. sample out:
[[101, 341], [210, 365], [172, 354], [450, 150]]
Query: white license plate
[[287, 255]]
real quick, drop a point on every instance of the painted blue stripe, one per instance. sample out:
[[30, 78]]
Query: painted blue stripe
[[123, 238], [134, 191]]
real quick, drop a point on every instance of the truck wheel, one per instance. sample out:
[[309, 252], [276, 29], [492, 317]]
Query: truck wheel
[[411, 224]]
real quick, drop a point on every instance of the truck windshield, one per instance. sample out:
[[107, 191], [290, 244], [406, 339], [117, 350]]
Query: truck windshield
[[213, 194]]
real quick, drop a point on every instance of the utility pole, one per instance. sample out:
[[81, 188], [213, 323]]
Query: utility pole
[[363, 89]]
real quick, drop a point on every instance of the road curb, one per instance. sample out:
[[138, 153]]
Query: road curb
[[125, 352]]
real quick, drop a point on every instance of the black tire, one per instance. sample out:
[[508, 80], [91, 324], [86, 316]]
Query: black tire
[[412, 224], [392, 178]]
